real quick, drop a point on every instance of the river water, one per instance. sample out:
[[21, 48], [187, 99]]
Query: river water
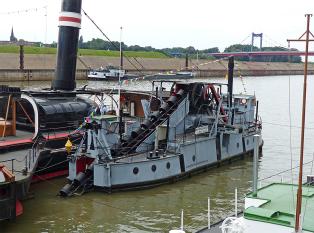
[[158, 209]]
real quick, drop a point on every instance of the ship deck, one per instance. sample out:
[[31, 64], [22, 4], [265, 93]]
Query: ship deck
[[279, 207], [20, 137], [16, 161], [183, 138], [16, 155]]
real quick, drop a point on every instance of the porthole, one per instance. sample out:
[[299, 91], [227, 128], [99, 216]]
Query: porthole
[[238, 145], [168, 165], [154, 168], [135, 170], [193, 158]]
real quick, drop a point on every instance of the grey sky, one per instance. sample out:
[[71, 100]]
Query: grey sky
[[166, 23]]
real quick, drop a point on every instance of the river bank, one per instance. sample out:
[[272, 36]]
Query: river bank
[[41, 67]]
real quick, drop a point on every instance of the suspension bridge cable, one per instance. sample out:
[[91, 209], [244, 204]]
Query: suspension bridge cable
[[114, 45], [245, 39], [274, 42]]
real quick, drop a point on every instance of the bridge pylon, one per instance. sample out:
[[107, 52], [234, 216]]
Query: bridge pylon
[[258, 35]]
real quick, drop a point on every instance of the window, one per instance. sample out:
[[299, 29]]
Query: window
[[135, 171]]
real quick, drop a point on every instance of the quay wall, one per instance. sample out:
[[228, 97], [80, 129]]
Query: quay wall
[[11, 75], [41, 67]]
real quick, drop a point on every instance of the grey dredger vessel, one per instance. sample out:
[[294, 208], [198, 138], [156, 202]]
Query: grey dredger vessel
[[187, 129]]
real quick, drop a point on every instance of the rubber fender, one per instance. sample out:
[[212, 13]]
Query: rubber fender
[[180, 93], [79, 179], [172, 100], [146, 123], [164, 107], [64, 192]]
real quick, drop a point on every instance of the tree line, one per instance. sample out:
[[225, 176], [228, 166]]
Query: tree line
[[249, 48], [100, 44]]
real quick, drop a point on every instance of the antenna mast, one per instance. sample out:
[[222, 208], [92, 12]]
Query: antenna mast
[[307, 34]]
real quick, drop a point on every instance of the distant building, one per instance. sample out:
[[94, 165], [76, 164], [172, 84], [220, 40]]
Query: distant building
[[14, 41], [12, 37]]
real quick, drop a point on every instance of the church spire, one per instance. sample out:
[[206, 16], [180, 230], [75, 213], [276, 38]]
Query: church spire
[[12, 37]]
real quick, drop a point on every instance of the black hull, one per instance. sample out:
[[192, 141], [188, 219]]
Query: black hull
[[51, 164]]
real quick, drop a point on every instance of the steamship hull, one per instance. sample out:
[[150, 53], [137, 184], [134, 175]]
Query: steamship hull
[[167, 168], [192, 129], [38, 123]]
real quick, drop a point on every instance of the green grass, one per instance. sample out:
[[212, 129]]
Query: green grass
[[82, 52]]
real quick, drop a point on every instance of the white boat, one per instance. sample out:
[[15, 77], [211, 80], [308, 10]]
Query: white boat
[[109, 73], [171, 75]]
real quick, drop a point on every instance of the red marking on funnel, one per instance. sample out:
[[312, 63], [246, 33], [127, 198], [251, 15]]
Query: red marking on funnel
[[70, 19]]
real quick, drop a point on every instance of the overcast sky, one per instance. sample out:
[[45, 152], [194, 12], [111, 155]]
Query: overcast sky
[[166, 23]]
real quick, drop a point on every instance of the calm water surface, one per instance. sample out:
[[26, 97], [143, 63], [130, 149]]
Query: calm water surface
[[158, 209]]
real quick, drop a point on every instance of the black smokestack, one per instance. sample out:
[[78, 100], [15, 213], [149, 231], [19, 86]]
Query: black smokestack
[[69, 26], [230, 78]]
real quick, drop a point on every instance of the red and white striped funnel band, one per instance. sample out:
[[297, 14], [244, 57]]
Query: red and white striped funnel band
[[70, 19]]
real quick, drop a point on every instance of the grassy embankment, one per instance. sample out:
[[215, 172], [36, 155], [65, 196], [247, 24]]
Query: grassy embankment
[[82, 52]]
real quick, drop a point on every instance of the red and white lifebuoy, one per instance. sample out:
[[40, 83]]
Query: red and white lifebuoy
[[70, 19]]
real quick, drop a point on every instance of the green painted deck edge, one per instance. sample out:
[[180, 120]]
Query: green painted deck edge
[[279, 216]]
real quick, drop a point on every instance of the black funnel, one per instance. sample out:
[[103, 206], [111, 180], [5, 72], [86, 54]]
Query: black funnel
[[69, 26]]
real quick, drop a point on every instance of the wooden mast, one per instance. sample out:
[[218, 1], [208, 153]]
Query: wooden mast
[[299, 192]]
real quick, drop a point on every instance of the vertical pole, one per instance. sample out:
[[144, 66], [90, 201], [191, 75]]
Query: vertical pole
[[208, 216], [255, 161], [186, 61], [261, 41], [120, 70], [236, 202], [256, 113], [299, 194], [230, 80], [182, 227], [13, 116], [120, 123], [21, 57], [252, 44], [156, 139], [46, 24], [6, 116], [121, 53]]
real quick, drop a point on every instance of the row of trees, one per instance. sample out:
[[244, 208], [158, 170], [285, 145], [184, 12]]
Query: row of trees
[[248, 48], [100, 44]]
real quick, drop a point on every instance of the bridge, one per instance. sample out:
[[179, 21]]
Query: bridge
[[261, 53]]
